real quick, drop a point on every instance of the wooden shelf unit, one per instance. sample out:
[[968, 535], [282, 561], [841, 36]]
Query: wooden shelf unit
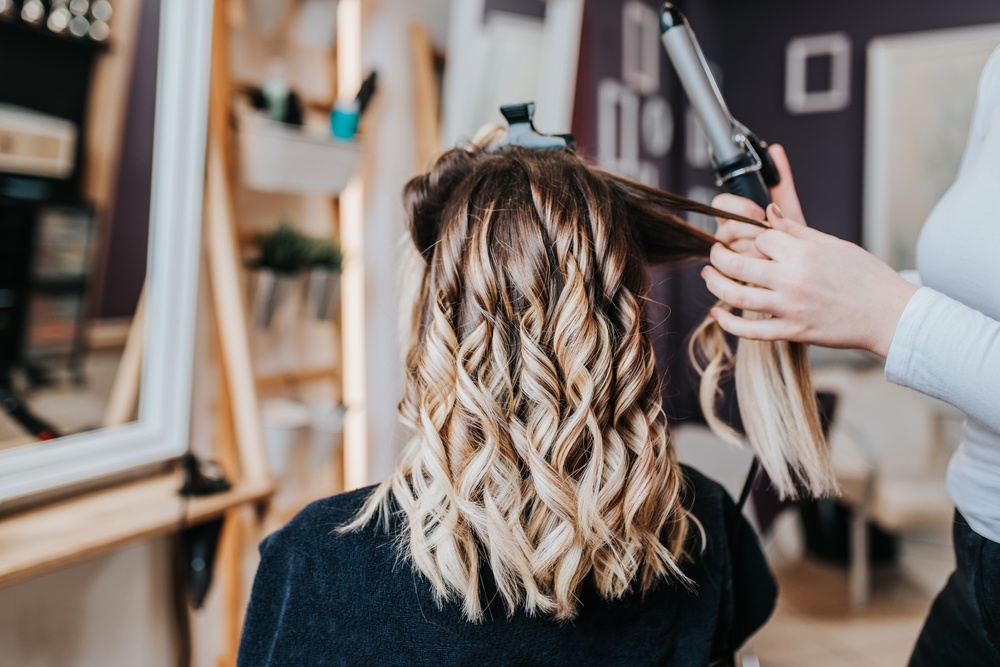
[[38, 541]]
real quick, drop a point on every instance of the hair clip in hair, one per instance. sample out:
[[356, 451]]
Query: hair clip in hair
[[522, 131]]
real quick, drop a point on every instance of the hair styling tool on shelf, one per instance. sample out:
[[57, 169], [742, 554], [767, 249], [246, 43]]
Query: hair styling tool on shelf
[[347, 113], [740, 158], [366, 92], [197, 545]]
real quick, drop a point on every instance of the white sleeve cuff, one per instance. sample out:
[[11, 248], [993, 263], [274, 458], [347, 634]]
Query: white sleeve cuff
[[899, 360]]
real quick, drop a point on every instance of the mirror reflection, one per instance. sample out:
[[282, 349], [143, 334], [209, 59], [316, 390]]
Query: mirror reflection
[[76, 144]]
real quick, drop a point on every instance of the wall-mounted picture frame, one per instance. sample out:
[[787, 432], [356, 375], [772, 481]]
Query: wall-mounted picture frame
[[921, 91], [835, 47]]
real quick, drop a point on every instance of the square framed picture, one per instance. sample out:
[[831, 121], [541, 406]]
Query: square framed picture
[[921, 92]]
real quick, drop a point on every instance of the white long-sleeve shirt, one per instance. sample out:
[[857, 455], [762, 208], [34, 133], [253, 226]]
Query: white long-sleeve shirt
[[947, 342]]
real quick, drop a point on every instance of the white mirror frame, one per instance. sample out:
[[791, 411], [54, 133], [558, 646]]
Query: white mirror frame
[[161, 431]]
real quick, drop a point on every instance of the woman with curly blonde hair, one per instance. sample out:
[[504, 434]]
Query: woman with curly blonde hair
[[538, 514]]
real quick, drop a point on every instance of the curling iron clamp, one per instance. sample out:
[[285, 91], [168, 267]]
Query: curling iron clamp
[[742, 164]]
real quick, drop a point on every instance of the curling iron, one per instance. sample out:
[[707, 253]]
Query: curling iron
[[742, 164]]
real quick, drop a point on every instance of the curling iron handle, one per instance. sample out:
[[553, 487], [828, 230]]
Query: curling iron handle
[[751, 186]]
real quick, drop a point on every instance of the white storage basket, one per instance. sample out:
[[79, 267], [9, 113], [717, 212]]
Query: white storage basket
[[276, 157]]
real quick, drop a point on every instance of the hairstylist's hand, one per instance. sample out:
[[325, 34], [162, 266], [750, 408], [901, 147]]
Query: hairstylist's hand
[[739, 235], [816, 288]]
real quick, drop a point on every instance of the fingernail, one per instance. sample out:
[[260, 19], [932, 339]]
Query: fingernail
[[776, 211]]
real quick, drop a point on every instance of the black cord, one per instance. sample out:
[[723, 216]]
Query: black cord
[[748, 484], [181, 608]]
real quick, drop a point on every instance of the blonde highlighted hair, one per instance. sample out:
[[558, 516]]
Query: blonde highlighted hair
[[539, 449]]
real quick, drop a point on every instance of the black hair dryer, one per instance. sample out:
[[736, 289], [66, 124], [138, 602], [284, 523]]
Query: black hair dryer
[[740, 158]]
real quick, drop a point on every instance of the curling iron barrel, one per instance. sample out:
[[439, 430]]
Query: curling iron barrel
[[741, 161]]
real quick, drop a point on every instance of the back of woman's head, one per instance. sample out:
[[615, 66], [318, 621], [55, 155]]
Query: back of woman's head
[[538, 448]]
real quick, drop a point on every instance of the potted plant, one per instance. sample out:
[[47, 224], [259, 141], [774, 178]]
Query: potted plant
[[323, 291], [281, 256]]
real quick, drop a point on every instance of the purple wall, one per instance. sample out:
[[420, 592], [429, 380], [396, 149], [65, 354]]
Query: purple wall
[[677, 299], [826, 149], [128, 234], [747, 40]]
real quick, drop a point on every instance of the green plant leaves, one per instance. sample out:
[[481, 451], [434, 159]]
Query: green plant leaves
[[287, 250]]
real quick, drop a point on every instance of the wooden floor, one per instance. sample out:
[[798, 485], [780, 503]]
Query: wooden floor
[[68, 407], [814, 626]]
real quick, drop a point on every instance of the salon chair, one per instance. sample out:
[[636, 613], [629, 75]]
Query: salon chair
[[890, 448]]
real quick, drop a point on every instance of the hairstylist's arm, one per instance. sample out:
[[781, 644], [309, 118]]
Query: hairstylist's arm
[[817, 288]]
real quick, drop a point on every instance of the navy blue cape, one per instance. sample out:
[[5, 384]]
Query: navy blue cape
[[324, 598]]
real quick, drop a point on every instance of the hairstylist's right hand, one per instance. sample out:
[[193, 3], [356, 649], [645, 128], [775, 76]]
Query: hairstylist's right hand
[[739, 236]]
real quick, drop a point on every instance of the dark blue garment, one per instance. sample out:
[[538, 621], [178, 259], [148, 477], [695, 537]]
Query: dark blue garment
[[322, 598], [963, 626]]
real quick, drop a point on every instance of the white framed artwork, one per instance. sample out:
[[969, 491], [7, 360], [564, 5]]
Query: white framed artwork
[[640, 47], [920, 95], [798, 98]]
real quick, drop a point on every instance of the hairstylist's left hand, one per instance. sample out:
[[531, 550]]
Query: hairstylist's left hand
[[816, 288]]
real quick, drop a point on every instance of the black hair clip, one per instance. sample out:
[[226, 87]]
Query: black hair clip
[[522, 131]]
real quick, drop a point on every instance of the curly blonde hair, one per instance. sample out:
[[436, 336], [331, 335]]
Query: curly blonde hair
[[539, 448]]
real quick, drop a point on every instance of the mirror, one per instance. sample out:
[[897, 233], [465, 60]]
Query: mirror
[[102, 139], [73, 278]]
